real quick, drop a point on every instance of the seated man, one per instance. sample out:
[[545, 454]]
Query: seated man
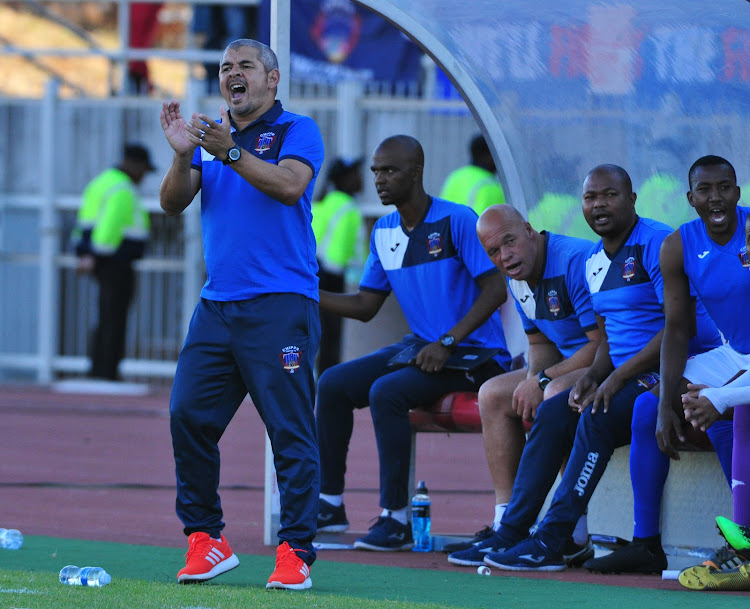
[[729, 569], [593, 417], [689, 259], [428, 253], [545, 274]]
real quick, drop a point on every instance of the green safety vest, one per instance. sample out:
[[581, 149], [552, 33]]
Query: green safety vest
[[339, 231], [473, 186], [111, 212]]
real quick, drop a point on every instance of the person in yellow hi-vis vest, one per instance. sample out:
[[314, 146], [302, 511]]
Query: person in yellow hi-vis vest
[[340, 235], [110, 233], [476, 184]]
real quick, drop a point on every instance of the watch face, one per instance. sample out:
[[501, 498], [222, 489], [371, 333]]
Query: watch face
[[447, 341], [234, 153]]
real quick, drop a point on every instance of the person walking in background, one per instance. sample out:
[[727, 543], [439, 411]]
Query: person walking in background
[[476, 184], [426, 252], [256, 327], [545, 275], [339, 235], [110, 234]]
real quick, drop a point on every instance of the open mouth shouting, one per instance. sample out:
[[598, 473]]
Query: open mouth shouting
[[237, 90], [717, 215]]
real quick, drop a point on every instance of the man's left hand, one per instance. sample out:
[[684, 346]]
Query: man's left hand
[[432, 357]]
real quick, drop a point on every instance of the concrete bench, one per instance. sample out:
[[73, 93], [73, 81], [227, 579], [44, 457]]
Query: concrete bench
[[695, 493]]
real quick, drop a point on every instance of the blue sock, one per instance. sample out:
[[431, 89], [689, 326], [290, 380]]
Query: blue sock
[[648, 467], [721, 434]]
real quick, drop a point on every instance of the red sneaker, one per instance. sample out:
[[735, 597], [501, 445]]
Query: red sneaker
[[291, 571], [206, 558]]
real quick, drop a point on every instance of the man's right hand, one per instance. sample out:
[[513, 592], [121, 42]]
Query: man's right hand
[[583, 393], [175, 128], [527, 397], [668, 427]]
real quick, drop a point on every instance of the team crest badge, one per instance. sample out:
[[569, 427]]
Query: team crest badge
[[628, 269], [336, 30], [553, 302], [264, 142], [290, 358], [434, 244], [744, 258]]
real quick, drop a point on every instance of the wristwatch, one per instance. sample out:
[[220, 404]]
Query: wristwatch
[[448, 341], [544, 380], [233, 154]]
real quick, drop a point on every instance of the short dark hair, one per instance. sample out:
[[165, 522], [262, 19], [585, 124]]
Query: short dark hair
[[265, 53], [615, 170], [709, 160]]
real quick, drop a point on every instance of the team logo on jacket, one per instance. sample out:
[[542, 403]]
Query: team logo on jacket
[[628, 269], [434, 244], [553, 302], [744, 258], [264, 142], [290, 357]]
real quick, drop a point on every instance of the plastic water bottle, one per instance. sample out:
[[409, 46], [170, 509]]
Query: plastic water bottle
[[84, 576], [420, 519], [10, 539]]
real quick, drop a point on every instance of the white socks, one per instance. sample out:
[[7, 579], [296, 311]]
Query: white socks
[[334, 500], [581, 532], [499, 511], [399, 515]]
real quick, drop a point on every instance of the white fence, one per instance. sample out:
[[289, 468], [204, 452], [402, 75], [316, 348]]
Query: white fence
[[50, 149]]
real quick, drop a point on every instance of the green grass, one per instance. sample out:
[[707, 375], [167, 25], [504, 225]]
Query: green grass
[[37, 590], [143, 577]]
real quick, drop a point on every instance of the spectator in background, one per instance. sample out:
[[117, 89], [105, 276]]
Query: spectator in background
[[215, 26], [476, 184], [110, 233], [339, 234], [426, 252], [144, 21]]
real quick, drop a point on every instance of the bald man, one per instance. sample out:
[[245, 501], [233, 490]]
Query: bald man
[[593, 417], [545, 275], [427, 253]]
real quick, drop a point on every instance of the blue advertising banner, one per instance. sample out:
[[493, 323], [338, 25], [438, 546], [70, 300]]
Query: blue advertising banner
[[335, 39]]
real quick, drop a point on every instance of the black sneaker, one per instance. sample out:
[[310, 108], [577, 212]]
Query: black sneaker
[[575, 555], [634, 558], [387, 535], [459, 546], [473, 556], [331, 519]]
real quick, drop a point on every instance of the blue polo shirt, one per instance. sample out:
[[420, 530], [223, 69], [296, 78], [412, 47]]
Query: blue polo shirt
[[559, 306], [433, 272], [721, 276], [627, 290], [252, 243]]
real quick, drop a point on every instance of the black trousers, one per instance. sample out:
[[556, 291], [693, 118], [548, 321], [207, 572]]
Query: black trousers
[[116, 286], [329, 353]]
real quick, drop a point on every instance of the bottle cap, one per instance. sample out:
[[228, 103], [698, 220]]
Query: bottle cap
[[422, 486], [104, 579]]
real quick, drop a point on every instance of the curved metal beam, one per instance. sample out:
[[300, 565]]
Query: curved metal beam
[[466, 85]]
